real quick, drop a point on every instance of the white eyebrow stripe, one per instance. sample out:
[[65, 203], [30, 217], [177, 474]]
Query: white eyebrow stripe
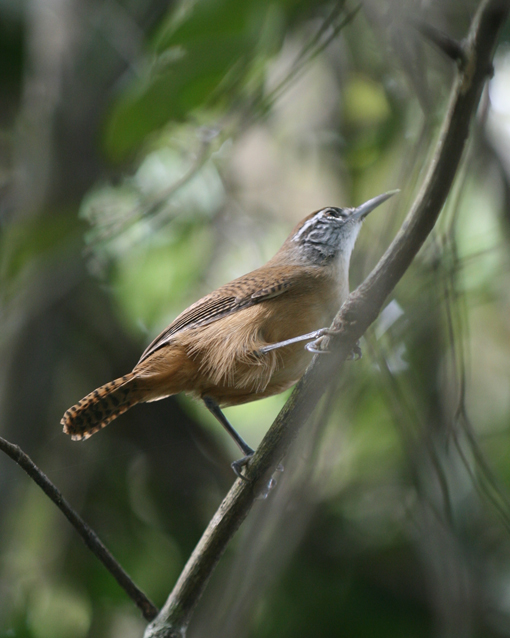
[[310, 222]]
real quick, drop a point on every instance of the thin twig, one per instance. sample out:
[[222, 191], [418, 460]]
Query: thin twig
[[450, 47], [148, 609], [150, 208], [314, 48], [403, 415], [356, 315]]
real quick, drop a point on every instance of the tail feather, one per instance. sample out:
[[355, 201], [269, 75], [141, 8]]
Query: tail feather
[[100, 407]]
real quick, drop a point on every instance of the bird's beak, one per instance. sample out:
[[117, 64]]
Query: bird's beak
[[362, 211]]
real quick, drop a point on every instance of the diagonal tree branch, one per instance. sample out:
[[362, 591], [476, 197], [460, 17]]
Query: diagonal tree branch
[[148, 609], [355, 316]]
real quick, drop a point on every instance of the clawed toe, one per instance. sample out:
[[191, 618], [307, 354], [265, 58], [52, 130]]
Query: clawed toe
[[315, 345], [356, 353], [330, 332], [237, 466], [312, 347]]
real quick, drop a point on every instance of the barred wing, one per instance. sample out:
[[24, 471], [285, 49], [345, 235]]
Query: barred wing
[[246, 291]]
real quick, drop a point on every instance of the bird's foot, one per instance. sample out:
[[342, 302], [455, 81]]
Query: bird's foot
[[318, 345], [356, 353], [316, 336], [238, 465]]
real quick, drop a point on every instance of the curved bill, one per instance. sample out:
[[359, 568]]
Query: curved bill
[[362, 211]]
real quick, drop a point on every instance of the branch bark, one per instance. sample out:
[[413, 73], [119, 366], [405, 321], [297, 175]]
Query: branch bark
[[355, 316], [90, 538]]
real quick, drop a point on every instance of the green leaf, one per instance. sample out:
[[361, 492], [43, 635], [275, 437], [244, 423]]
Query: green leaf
[[171, 94]]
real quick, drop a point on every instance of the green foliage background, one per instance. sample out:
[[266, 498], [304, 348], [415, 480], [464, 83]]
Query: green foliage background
[[150, 152]]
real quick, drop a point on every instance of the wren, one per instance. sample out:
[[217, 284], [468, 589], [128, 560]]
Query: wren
[[244, 341]]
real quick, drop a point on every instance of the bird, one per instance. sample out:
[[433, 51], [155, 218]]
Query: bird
[[244, 341]]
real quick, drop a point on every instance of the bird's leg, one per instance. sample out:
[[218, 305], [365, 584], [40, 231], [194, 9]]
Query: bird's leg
[[237, 466], [317, 334], [316, 347]]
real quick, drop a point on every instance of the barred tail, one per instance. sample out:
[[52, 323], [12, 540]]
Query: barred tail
[[100, 407]]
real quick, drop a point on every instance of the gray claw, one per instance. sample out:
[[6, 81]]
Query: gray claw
[[312, 347], [238, 465], [356, 353]]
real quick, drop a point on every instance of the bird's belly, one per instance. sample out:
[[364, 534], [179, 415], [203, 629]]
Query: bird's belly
[[232, 371], [250, 383]]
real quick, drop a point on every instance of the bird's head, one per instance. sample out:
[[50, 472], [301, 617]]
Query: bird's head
[[331, 232]]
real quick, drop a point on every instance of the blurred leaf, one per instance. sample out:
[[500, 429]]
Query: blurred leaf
[[171, 93], [211, 46], [365, 102], [57, 612], [202, 53], [34, 238], [152, 281], [212, 20], [370, 123]]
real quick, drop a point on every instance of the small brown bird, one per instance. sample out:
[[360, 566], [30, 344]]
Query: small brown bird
[[242, 342]]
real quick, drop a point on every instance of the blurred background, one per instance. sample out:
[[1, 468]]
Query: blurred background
[[151, 151]]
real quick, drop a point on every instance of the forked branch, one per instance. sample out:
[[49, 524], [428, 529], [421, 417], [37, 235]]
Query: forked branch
[[355, 316]]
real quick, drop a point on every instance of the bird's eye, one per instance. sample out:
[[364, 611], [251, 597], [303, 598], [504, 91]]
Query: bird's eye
[[335, 213]]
